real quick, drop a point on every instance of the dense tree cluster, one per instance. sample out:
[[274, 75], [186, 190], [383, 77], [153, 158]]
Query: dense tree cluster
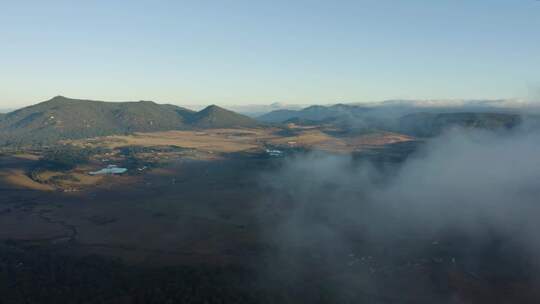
[[65, 157], [62, 118]]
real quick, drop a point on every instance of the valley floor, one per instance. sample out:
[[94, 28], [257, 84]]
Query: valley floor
[[202, 230]]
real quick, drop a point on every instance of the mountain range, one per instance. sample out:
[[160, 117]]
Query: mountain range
[[65, 118], [406, 118]]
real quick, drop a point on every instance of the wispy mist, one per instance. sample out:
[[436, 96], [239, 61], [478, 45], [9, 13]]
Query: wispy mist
[[461, 195]]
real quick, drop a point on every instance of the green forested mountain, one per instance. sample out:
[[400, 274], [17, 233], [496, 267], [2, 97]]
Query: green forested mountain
[[64, 118], [316, 113], [216, 117]]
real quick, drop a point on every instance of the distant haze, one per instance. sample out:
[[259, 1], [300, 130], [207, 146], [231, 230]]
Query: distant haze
[[256, 52]]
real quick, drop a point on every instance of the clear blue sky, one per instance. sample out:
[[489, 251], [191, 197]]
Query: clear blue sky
[[249, 52]]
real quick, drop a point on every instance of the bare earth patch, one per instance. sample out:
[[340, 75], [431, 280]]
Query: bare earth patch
[[18, 178]]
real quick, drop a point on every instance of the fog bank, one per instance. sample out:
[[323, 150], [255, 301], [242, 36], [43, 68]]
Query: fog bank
[[467, 199]]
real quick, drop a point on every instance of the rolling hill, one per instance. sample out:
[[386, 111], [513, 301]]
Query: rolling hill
[[64, 118], [417, 121], [432, 124], [216, 117], [315, 113]]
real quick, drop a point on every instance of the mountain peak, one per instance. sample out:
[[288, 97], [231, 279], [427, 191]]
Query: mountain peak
[[219, 117], [59, 98], [213, 108], [62, 118]]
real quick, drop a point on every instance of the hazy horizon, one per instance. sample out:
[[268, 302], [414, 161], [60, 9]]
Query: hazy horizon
[[267, 107]]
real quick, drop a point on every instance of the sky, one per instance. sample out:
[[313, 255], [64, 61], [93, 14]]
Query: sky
[[259, 52]]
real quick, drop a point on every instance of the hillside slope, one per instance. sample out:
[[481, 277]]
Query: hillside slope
[[315, 113], [216, 117], [432, 124], [64, 118], [415, 121]]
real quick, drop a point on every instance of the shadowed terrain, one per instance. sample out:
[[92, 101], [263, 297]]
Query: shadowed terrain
[[325, 212]]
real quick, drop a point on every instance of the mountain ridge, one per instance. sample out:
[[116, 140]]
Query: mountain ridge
[[403, 118], [62, 118]]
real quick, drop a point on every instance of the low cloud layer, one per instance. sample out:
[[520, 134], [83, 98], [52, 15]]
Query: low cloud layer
[[480, 188]]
